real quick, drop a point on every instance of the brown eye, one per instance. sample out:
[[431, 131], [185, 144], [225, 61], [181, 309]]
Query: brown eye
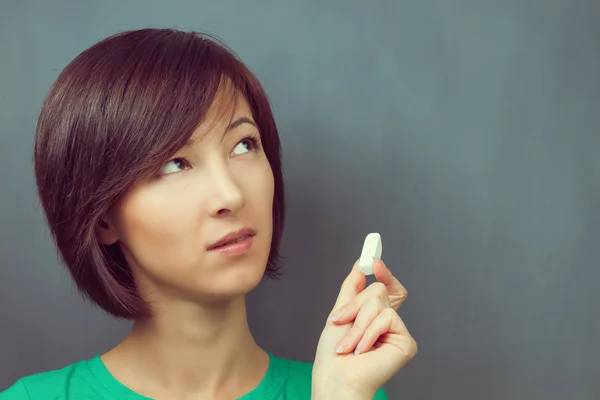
[[244, 146], [175, 165]]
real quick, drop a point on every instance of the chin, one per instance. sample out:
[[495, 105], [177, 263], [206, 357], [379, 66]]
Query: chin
[[240, 281], [241, 274], [232, 281]]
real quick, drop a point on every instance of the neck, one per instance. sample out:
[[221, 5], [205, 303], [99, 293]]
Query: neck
[[189, 349]]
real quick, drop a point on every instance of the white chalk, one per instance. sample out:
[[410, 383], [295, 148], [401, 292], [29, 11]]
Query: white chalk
[[371, 248]]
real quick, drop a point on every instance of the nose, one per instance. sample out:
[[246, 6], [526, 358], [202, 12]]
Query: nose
[[226, 196]]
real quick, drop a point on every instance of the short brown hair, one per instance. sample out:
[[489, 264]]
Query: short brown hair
[[116, 112]]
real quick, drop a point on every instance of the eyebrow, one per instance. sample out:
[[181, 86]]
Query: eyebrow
[[230, 127], [240, 121]]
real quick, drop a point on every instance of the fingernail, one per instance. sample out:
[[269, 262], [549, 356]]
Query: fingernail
[[342, 344], [337, 315], [358, 348]]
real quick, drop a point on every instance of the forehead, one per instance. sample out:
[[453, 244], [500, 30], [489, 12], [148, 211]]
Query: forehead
[[228, 102], [228, 105]]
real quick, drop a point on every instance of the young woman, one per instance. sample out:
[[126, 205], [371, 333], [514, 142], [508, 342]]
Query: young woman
[[157, 161]]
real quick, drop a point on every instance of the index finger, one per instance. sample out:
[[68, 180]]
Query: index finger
[[354, 283]]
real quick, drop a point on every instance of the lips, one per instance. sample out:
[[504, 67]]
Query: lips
[[233, 237]]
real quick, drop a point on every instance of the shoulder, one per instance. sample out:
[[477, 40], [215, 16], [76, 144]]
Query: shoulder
[[44, 385], [286, 379], [298, 369], [17, 391], [381, 395]]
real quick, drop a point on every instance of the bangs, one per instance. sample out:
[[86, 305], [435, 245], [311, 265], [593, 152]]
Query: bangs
[[158, 91]]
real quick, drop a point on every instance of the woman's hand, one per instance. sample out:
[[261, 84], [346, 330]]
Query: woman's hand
[[364, 342]]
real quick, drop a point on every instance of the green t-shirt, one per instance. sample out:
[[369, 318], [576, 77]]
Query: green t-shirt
[[90, 380]]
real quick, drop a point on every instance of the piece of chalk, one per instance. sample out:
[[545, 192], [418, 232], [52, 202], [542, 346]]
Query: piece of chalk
[[371, 249]]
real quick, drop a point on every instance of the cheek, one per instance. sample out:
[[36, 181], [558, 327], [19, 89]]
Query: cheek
[[155, 226], [259, 187]]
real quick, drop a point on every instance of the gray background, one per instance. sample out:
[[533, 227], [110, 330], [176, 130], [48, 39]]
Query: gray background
[[466, 132]]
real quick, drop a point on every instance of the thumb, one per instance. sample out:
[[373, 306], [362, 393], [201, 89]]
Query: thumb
[[354, 283]]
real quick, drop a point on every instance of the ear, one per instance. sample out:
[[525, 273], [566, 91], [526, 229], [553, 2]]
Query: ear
[[106, 233]]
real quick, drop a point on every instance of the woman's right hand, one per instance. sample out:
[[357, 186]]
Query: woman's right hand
[[365, 342]]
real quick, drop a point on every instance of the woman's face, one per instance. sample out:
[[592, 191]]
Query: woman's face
[[219, 184]]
